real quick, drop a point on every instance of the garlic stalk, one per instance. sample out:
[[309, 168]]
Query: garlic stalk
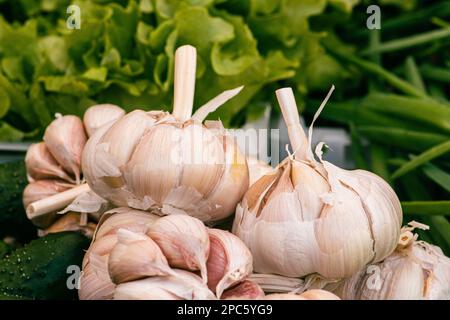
[[183, 240], [168, 163], [246, 290], [416, 270], [99, 115], [182, 285], [65, 139], [310, 216], [136, 256], [41, 164], [41, 189], [229, 262]]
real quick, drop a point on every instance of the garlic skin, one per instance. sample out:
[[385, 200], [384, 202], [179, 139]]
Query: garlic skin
[[182, 285], [41, 189], [414, 271], [150, 161], [95, 283], [313, 294], [229, 262], [99, 115], [136, 256], [41, 164], [257, 168], [184, 240], [65, 139], [246, 290], [310, 216], [71, 222]]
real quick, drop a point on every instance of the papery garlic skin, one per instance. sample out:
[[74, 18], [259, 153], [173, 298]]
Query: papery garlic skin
[[182, 285], [71, 222], [420, 271], [136, 256], [41, 164], [257, 168], [310, 216], [150, 161], [184, 240], [229, 262], [65, 139], [99, 115]]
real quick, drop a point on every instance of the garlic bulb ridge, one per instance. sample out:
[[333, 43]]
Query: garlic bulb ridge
[[309, 216]]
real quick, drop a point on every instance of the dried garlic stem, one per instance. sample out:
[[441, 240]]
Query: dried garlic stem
[[184, 82], [297, 136], [55, 202]]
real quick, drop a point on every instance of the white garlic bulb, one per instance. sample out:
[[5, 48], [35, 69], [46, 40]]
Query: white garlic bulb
[[65, 139], [310, 216], [99, 115], [416, 270], [184, 240], [229, 261], [136, 256], [182, 285], [169, 163]]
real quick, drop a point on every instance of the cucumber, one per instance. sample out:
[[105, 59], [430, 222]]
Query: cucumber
[[4, 249], [13, 220], [39, 269]]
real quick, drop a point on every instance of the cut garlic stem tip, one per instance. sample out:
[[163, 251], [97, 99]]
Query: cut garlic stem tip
[[55, 202], [184, 82], [297, 136]]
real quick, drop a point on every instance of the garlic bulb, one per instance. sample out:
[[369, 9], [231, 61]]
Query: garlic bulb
[[182, 285], [169, 163], [246, 290], [310, 216], [65, 139], [314, 294], [41, 189], [98, 115], [136, 256], [41, 164], [416, 270], [229, 262], [183, 240]]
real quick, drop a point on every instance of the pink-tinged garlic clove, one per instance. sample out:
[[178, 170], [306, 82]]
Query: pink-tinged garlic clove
[[136, 256], [184, 240], [246, 290], [65, 139], [99, 115], [41, 164], [229, 261]]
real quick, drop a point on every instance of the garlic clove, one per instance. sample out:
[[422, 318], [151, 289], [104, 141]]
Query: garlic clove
[[95, 283], [124, 218], [136, 256], [229, 262], [41, 189], [257, 169], [246, 290], [71, 222], [182, 285], [184, 240], [65, 139], [41, 164], [99, 115], [313, 294]]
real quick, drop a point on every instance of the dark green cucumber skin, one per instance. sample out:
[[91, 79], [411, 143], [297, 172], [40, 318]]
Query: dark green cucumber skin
[[13, 220], [4, 249], [39, 269]]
